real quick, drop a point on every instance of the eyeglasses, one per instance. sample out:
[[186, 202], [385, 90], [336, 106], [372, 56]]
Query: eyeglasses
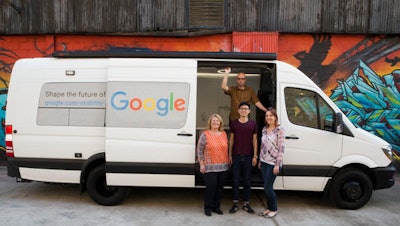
[[244, 109], [240, 78]]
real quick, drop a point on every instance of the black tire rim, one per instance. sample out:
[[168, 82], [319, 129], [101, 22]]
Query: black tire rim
[[352, 191]]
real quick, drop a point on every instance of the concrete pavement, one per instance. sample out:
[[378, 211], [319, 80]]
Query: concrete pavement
[[59, 204]]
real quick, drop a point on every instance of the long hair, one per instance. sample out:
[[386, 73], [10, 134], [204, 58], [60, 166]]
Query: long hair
[[273, 112], [221, 124]]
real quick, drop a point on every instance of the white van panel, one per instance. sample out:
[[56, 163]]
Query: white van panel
[[138, 150], [49, 175], [62, 142], [357, 146], [350, 159], [138, 131], [151, 180], [305, 183]]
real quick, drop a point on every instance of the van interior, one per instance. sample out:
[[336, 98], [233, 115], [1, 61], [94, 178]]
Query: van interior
[[212, 99]]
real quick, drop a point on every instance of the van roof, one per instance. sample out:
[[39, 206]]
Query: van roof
[[133, 53]]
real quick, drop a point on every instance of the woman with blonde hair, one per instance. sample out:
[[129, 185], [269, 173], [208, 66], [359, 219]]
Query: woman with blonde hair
[[212, 154]]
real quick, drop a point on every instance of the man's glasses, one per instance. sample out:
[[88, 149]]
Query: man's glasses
[[240, 78]]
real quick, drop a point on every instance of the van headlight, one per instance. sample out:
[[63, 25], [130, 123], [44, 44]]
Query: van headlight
[[388, 152]]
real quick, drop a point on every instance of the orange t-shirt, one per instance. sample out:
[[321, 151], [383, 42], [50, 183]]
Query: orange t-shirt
[[216, 149]]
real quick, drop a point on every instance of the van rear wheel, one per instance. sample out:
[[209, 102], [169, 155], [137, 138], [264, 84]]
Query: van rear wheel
[[100, 192], [351, 189]]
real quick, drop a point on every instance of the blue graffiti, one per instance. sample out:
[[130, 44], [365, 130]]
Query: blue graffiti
[[3, 101], [372, 102]]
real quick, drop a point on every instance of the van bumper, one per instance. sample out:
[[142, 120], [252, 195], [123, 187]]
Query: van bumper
[[384, 177], [12, 168]]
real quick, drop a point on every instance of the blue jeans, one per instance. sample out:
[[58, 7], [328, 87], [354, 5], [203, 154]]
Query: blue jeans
[[214, 182], [269, 179], [241, 169]]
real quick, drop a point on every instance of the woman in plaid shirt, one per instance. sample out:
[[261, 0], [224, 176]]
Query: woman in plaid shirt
[[271, 156]]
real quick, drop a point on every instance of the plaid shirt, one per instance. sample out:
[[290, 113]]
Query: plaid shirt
[[272, 146]]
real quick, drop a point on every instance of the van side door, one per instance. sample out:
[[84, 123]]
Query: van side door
[[312, 145], [150, 122]]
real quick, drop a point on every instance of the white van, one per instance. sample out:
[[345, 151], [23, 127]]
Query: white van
[[108, 121]]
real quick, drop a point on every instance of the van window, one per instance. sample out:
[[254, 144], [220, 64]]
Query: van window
[[72, 104], [307, 108]]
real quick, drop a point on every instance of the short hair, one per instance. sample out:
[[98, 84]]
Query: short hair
[[221, 124], [244, 103]]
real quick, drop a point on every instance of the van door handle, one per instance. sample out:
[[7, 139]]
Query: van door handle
[[185, 134], [292, 137]]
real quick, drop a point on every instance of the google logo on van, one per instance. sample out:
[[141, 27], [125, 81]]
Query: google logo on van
[[120, 102]]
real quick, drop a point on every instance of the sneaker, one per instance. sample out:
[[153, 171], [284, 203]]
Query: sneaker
[[247, 208], [234, 208]]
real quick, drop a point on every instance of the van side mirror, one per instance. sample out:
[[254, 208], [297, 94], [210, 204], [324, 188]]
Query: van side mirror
[[338, 123]]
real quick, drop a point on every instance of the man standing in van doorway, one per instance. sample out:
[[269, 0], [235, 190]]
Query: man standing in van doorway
[[242, 155], [239, 93]]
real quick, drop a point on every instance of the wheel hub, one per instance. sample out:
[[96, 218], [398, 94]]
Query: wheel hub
[[352, 190]]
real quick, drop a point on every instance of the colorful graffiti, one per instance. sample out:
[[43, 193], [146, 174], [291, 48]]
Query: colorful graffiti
[[341, 66], [7, 57], [360, 73], [371, 102]]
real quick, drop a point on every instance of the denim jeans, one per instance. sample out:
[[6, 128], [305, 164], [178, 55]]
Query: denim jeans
[[269, 179], [214, 182], [241, 169]]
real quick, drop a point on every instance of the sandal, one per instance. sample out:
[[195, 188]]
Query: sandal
[[271, 214], [247, 208], [264, 214]]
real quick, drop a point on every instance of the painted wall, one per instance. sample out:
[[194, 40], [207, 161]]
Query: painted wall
[[360, 73]]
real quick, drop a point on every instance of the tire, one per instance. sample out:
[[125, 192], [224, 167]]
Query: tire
[[100, 192], [351, 189]]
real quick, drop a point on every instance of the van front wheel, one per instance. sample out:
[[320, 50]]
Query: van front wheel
[[351, 189], [100, 192]]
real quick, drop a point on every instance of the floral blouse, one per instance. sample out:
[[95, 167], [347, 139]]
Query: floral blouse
[[213, 150]]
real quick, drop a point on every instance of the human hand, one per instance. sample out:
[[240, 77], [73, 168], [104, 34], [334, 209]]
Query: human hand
[[202, 168], [227, 70], [276, 170], [254, 162]]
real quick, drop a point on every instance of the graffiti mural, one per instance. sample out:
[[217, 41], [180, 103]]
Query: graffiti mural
[[361, 74], [211, 43], [7, 59], [371, 102]]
